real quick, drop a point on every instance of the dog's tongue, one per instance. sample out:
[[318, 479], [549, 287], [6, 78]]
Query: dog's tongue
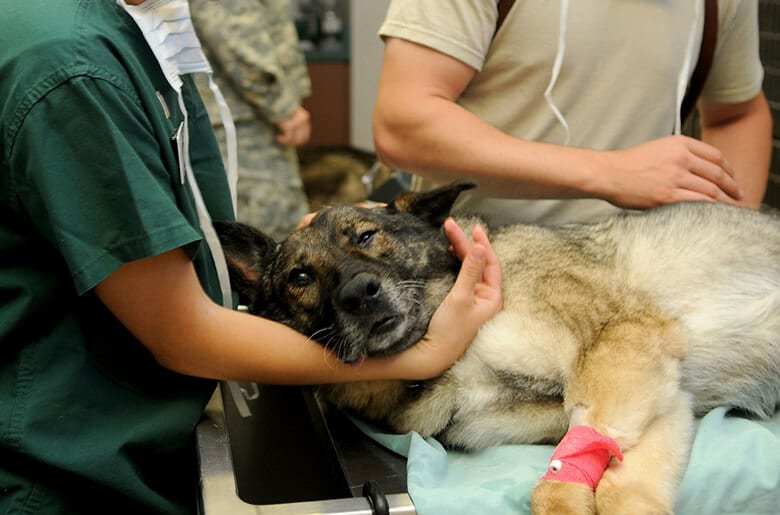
[[359, 361]]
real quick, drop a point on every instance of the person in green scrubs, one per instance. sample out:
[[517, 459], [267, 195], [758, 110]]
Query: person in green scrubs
[[112, 333]]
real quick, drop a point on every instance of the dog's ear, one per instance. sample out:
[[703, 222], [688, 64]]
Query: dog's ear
[[434, 205], [246, 252]]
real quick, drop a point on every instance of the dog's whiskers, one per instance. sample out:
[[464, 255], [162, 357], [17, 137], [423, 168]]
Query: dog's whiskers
[[327, 337], [413, 283], [320, 333], [328, 341]]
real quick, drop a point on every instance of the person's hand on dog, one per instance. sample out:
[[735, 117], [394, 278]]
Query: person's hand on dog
[[306, 220], [479, 281], [474, 299], [671, 169]]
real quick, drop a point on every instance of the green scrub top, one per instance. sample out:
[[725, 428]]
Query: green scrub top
[[89, 180]]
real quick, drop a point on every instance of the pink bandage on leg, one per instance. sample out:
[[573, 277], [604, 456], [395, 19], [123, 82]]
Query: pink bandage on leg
[[582, 457]]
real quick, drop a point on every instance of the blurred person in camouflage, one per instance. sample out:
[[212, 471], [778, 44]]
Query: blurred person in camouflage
[[252, 46]]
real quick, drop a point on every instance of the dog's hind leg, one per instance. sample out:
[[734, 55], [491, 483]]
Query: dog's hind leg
[[624, 389]]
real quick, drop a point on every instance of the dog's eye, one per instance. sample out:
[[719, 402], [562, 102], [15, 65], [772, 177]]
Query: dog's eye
[[364, 238], [299, 277]]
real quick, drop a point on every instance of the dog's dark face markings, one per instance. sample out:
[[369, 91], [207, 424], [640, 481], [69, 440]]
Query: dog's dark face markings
[[360, 281]]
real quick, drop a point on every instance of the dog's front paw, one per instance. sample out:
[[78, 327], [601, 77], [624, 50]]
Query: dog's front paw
[[562, 498]]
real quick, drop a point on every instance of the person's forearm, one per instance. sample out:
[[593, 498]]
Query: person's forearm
[[208, 340], [230, 345], [746, 141], [190, 334], [160, 300], [420, 127], [442, 141]]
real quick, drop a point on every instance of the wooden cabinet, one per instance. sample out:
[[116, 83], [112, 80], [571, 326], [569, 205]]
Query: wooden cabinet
[[329, 103]]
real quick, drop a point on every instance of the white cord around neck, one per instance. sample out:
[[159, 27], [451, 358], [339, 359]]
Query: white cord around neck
[[685, 71], [557, 64]]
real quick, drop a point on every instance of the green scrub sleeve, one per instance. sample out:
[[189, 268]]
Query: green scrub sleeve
[[94, 179]]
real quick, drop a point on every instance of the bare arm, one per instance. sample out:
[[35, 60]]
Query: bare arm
[[160, 300], [419, 126], [743, 132]]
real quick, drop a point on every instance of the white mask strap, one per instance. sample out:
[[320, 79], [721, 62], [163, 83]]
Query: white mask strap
[[183, 140], [230, 141], [685, 72], [204, 220], [223, 276], [557, 70]]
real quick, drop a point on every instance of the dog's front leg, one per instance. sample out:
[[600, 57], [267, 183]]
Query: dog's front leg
[[647, 479], [623, 396], [562, 498]]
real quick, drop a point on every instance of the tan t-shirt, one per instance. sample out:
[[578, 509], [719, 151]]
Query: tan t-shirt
[[618, 81]]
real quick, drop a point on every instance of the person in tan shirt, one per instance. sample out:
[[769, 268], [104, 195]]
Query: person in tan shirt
[[572, 104]]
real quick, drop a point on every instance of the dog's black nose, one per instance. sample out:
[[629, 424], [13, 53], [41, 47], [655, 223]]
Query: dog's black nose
[[358, 290]]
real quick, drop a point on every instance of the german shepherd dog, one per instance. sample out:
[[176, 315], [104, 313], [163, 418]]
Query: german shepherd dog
[[631, 327]]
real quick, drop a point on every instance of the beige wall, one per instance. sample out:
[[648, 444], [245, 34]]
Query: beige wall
[[365, 62]]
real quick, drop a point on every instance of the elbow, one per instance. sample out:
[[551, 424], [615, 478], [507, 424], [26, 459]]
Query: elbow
[[389, 143], [169, 354], [173, 361], [399, 137], [398, 143]]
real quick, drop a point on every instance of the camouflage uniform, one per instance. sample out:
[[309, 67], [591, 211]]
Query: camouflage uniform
[[253, 48]]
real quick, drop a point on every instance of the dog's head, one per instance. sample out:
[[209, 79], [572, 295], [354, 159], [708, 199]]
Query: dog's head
[[360, 281]]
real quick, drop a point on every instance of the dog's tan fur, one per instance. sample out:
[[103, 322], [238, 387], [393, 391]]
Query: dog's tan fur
[[631, 326]]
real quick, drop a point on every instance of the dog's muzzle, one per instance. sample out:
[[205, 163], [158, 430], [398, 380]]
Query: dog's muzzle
[[360, 292]]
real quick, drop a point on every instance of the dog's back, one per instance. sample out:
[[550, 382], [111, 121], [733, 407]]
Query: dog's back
[[717, 270], [714, 268]]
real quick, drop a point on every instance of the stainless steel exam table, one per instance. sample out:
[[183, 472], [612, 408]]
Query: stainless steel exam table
[[292, 456]]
